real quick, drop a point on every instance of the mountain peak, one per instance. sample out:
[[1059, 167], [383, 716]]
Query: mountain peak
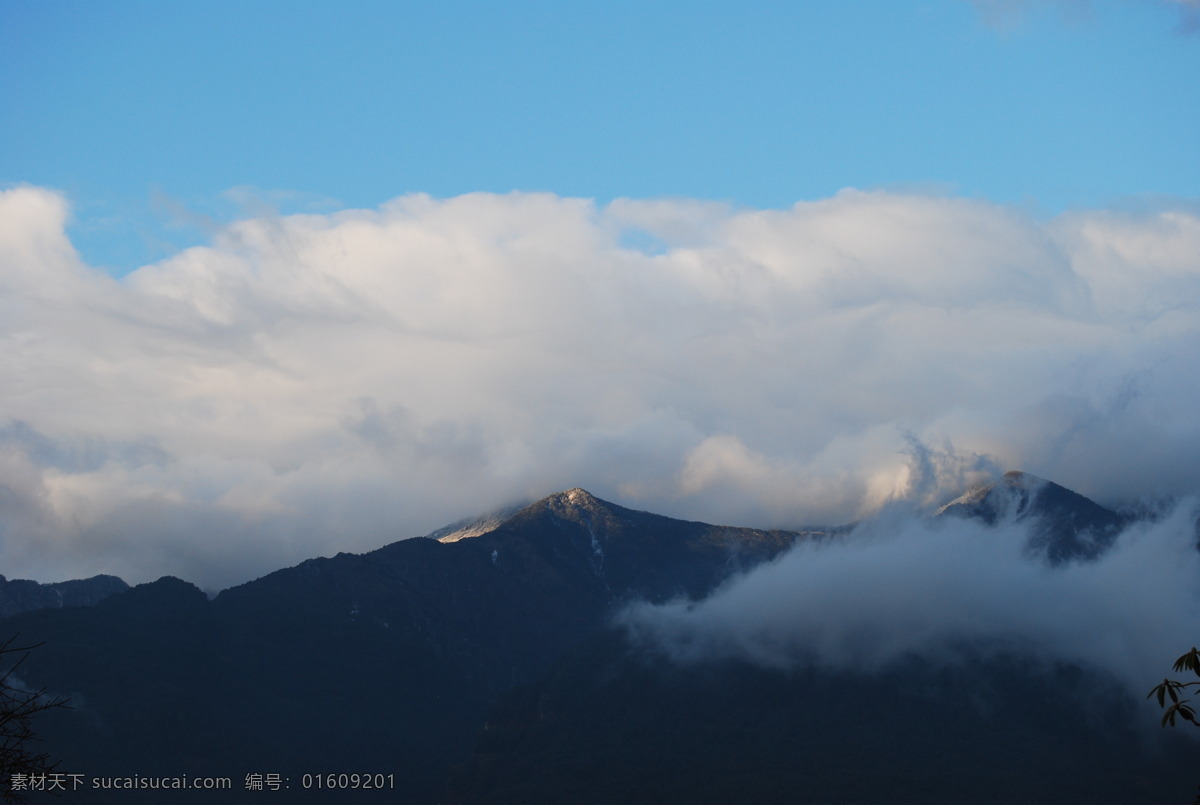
[[1023, 480], [998, 497], [580, 497], [571, 500], [1067, 524], [577, 504]]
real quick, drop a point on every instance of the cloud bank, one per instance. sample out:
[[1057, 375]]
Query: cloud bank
[[312, 383], [902, 586]]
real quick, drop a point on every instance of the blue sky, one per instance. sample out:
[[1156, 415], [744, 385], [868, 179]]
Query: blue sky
[[149, 116], [279, 280]]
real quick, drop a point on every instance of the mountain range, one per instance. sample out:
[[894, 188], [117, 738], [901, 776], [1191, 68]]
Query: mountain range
[[481, 664], [23, 595]]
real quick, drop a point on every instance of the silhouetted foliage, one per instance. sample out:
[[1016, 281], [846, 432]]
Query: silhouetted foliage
[[1173, 688], [18, 706]]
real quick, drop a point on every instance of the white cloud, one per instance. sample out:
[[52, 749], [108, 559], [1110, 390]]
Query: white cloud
[[312, 383], [902, 586]]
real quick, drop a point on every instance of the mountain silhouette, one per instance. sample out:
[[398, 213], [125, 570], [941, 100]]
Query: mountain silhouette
[[23, 595], [479, 665], [381, 662]]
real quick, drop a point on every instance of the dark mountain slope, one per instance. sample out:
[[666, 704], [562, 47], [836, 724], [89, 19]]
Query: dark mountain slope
[[631, 553], [390, 662], [382, 662], [1066, 525], [23, 595], [613, 723]]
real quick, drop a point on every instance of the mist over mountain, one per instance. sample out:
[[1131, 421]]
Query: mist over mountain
[[603, 402], [1064, 525], [578, 650], [904, 585], [997, 652], [211, 415]]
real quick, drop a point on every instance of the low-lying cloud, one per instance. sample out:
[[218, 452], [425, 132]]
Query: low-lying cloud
[[313, 383], [902, 586]]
